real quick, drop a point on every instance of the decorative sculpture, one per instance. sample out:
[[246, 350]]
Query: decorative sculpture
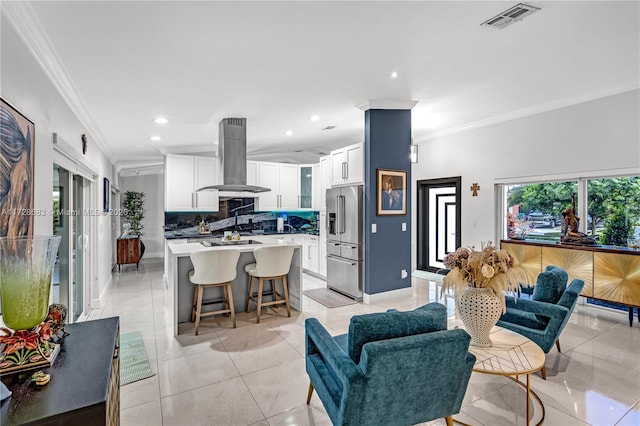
[[570, 224]]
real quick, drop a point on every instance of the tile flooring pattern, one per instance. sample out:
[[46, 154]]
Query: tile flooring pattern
[[255, 374]]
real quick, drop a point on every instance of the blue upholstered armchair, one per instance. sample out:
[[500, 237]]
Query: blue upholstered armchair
[[543, 318], [393, 368]]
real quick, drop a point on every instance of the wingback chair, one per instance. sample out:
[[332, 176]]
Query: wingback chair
[[543, 318], [397, 368]]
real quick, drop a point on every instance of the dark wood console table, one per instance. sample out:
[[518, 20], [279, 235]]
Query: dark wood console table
[[85, 382], [610, 274]]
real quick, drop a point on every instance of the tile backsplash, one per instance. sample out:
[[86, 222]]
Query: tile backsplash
[[239, 215]]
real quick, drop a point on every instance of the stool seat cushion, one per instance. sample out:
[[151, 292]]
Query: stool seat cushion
[[214, 266], [250, 268]]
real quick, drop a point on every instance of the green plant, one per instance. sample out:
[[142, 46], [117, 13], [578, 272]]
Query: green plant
[[617, 229], [133, 205]]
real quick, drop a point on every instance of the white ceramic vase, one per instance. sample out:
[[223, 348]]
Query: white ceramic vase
[[480, 310]]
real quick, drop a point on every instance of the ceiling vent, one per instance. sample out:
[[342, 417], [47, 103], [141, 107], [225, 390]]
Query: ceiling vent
[[511, 15]]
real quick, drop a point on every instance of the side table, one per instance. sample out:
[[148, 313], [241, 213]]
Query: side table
[[85, 382]]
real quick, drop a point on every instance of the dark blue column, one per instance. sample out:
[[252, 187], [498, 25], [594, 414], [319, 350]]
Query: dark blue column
[[388, 251]]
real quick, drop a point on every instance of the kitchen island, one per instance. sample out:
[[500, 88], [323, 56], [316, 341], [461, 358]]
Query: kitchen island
[[180, 288]]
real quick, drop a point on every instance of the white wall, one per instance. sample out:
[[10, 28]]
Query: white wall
[[598, 135], [153, 188], [25, 85]]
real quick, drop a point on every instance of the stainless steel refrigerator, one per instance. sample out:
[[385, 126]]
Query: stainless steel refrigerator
[[345, 240]]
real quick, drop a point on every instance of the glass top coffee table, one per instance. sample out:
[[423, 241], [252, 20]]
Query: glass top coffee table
[[512, 355]]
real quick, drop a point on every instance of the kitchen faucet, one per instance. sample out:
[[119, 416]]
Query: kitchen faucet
[[236, 214]]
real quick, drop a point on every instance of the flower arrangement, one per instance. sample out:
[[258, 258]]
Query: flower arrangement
[[25, 346], [490, 268]]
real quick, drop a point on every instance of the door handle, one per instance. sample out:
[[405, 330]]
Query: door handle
[[346, 170], [350, 263], [193, 202], [344, 173], [341, 213]]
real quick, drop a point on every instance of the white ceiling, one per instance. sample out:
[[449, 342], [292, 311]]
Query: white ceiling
[[277, 63]]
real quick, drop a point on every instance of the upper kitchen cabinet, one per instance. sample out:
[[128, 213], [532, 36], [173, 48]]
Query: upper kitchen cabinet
[[307, 179], [347, 165], [184, 175], [283, 181], [324, 181]]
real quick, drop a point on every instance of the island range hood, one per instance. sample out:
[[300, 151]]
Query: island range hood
[[232, 148]]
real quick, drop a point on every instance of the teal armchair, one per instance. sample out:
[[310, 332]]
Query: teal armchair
[[398, 368], [543, 318]]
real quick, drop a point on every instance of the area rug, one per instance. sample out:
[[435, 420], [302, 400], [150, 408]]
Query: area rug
[[431, 276], [134, 364], [328, 298]]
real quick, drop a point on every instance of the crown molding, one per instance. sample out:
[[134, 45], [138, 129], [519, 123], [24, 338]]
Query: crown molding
[[536, 109], [210, 150], [25, 22], [386, 104], [137, 168]]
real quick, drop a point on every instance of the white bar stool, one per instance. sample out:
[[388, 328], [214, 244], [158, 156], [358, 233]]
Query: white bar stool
[[213, 268], [272, 263]]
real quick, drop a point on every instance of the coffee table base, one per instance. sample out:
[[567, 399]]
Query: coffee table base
[[530, 393]]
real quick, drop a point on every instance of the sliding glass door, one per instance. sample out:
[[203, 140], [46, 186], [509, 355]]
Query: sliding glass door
[[69, 195]]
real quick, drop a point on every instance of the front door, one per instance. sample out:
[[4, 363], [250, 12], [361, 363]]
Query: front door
[[438, 221]]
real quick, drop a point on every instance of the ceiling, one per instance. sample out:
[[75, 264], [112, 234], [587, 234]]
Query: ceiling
[[278, 63]]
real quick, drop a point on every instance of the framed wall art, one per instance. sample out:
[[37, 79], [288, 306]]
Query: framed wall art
[[391, 192], [106, 195], [17, 134]]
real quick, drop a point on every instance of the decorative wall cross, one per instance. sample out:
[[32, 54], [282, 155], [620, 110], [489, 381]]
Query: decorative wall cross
[[475, 188]]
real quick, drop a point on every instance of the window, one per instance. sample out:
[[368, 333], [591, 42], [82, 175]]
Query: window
[[611, 214], [535, 210], [613, 209]]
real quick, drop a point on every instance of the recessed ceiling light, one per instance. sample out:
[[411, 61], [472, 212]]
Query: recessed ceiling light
[[160, 120], [314, 117], [288, 133], [155, 138], [394, 75]]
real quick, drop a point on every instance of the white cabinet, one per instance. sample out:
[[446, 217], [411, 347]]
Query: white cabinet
[[316, 185], [252, 173], [347, 165], [184, 174], [311, 253], [322, 245], [324, 181], [283, 181]]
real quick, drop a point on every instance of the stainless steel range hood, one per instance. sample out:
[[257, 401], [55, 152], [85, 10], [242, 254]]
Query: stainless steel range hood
[[232, 148]]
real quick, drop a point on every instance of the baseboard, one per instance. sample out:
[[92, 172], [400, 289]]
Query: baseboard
[[368, 299], [154, 255], [101, 300]]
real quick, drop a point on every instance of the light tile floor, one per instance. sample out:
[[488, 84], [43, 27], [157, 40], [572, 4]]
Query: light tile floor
[[255, 374]]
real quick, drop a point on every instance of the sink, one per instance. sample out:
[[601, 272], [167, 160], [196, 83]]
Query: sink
[[221, 242]]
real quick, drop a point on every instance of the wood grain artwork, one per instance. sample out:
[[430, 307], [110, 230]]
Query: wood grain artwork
[[17, 135]]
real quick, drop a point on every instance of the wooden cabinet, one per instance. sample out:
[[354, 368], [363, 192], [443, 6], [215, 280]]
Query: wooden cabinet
[[347, 165], [128, 251], [184, 175], [85, 382], [283, 181]]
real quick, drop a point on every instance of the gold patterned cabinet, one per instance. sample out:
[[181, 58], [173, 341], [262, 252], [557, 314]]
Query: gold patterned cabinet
[[528, 257], [577, 263], [617, 278], [610, 274]]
